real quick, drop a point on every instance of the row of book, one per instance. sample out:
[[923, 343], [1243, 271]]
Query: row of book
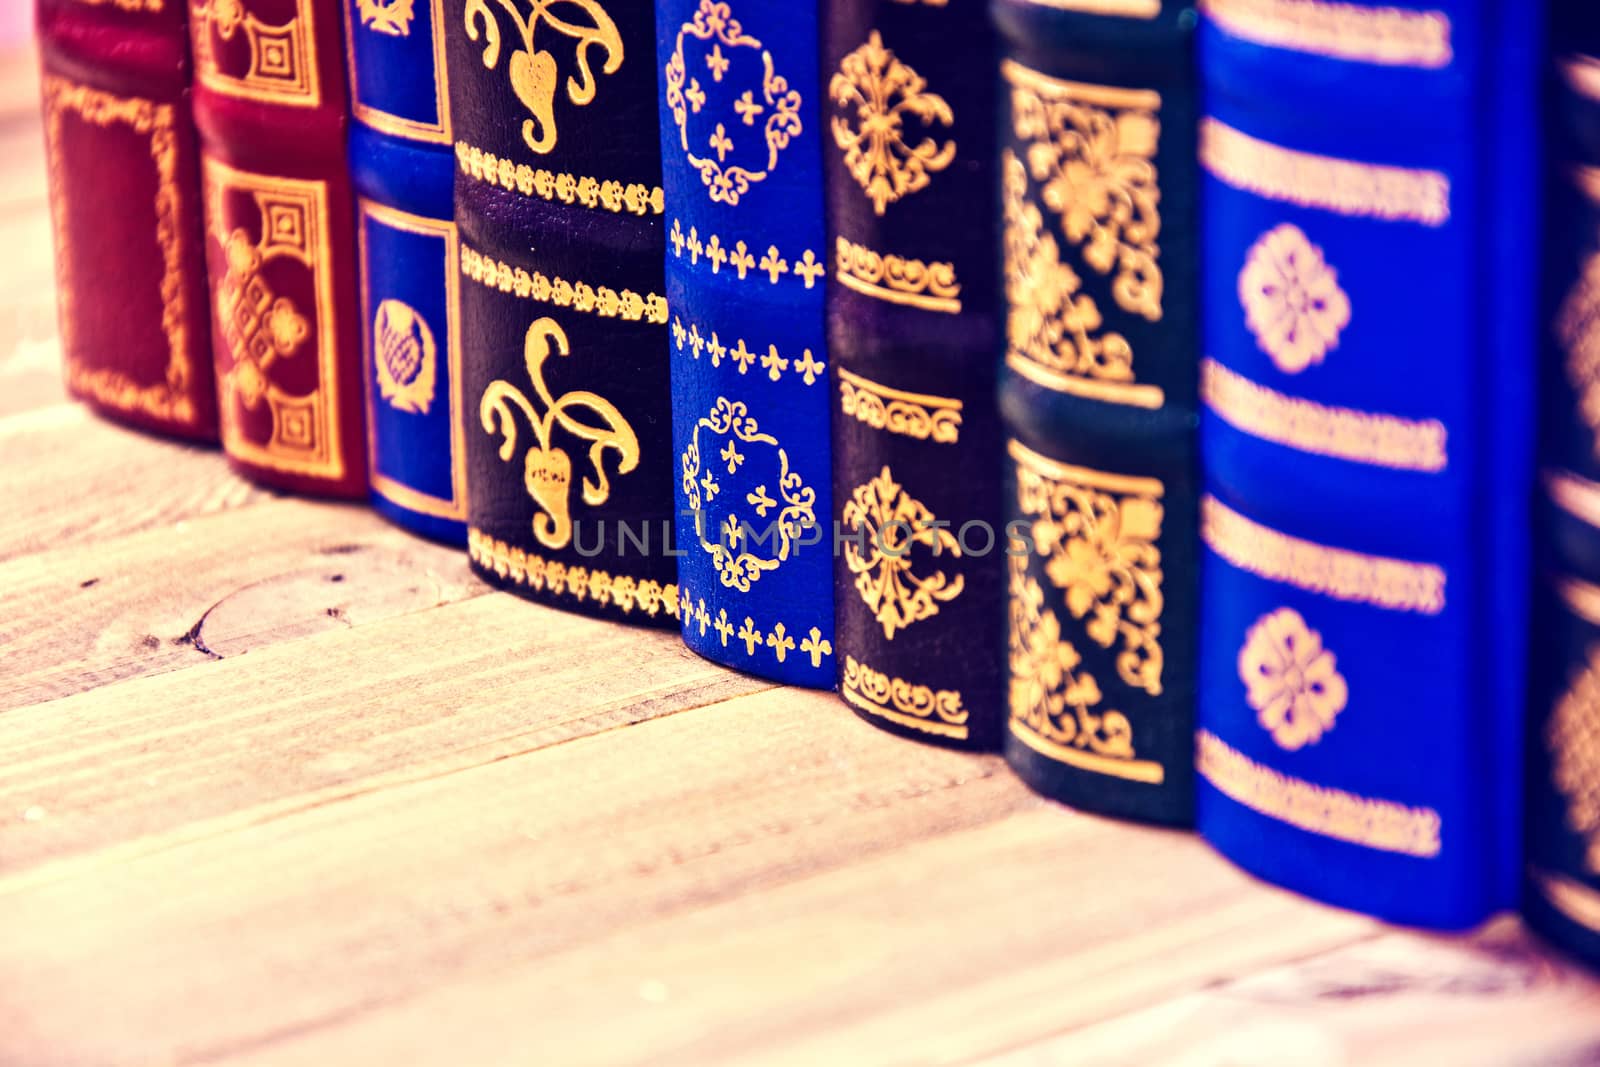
[[1148, 392]]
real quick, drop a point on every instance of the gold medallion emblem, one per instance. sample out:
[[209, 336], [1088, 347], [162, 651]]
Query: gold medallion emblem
[[1291, 681], [406, 357], [392, 17]]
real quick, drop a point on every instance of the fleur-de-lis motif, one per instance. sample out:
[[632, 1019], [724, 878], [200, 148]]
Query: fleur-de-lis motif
[[774, 363], [891, 521], [780, 643], [533, 70], [392, 17], [732, 456], [723, 627], [547, 469], [810, 367], [884, 92], [750, 636], [759, 499], [816, 646]]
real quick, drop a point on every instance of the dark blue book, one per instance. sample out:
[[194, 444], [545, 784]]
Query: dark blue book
[[558, 204], [402, 166], [745, 263], [913, 325], [1562, 890], [1098, 184], [1371, 202]]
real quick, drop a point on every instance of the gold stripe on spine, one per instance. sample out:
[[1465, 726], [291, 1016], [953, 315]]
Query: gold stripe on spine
[[1132, 9], [939, 712], [1342, 186], [580, 296], [1383, 35], [741, 259], [168, 399], [1376, 824], [283, 58], [579, 583], [919, 416], [779, 640], [1126, 484], [1340, 433], [1394, 584], [1582, 75], [560, 186], [455, 508], [896, 280], [1580, 597], [1098, 95], [806, 366], [1147, 772], [151, 6], [1574, 900], [1577, 496], [385, 121]]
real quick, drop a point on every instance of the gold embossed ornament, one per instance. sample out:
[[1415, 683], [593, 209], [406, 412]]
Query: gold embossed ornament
[[405, 355], [878, 151], [1292, 300], [392, 17], [1291, 681]]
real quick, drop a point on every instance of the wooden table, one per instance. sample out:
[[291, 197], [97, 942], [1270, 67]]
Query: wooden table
[[282, 785]]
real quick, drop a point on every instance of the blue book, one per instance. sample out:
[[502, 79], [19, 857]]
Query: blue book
[[1562, 891], [401, 164], [745, 263], [1371, 195]]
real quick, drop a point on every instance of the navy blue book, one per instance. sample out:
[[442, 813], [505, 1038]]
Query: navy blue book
[[1562, 890], [1097, 393], [558, 204], [919, 579], [402, 167], [1371, 200], [745, 263]]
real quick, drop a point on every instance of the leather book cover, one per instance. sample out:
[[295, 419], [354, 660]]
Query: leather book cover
[[745, 266], [125, 210], [1371, 205], [1097, 391], [1561, 896], [919, 579], [563, 313], [270, 102], [402, 164]]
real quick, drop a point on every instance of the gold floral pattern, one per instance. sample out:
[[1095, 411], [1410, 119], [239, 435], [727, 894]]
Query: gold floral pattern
[[629, 594], [533, 70], [1292, 300], [896, 279], [686, 96], [405, 356], [1577, 329], [891, 522], [547, 469], [1290, 680], [1099, 535], [884, 92], [934, 711], [1572, 736], [1091, 150], [1053, 700]]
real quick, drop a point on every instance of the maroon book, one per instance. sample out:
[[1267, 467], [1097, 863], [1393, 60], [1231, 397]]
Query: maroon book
[[270, 104], [125, 206]]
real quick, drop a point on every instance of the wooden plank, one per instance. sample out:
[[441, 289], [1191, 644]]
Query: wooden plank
[[250, 737], [1490, 1000], [87, 615], [765, 865], [75, 479]]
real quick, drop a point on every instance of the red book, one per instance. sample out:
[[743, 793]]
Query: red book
[[125, 205], [270, 103]]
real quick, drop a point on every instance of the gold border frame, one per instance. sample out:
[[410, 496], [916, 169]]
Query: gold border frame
[[107, 385], [216, 178], [397, 493], [208, 76], [387, 121]]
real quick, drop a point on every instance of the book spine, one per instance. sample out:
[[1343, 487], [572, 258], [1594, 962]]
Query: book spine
[[402, 165], [563, 313], [908, 145], [270, 100], [1562, 886], [1367, 432], [125, 212], [1098, 396], [745, 268]]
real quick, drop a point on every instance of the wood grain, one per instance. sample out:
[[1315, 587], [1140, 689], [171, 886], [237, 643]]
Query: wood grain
[[86, 615]]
